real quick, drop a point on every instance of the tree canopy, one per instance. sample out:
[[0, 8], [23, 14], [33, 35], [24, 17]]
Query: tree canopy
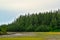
[[39, 22]]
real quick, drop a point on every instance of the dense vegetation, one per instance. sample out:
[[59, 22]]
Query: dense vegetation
[[39, 22], [3, 29]]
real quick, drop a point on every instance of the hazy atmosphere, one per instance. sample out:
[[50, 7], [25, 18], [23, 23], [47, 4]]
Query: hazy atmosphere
[[10, 9]]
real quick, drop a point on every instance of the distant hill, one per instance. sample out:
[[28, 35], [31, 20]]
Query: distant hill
[[41, 22]]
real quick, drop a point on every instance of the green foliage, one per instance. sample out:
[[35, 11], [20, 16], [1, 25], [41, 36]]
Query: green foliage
[[43, 28], [41, 22], [3, 29]]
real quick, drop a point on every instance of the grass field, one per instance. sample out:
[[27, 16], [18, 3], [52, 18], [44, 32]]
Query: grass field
[[36, 36]]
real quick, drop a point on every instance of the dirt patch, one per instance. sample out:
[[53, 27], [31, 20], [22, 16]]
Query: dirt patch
[[17, 34]]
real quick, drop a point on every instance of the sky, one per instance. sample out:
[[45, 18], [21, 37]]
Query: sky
[[11, 9]]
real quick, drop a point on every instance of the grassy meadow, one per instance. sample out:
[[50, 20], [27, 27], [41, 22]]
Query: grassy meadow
[[37, 36]]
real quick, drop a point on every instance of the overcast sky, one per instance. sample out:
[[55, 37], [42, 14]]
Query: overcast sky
[[10, 9]]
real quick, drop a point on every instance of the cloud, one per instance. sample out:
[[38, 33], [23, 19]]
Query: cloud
[[10, 9], [26, 4]]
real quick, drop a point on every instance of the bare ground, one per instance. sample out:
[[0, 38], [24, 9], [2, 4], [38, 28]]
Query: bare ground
[[17, 34]]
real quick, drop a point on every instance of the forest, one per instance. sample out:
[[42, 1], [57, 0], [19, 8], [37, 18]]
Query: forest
[[36, 22]]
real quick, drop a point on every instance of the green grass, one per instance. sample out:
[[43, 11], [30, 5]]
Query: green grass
[[25, 38], [38, 36]]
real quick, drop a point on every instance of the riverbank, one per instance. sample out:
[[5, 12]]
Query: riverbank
[[32, 36]]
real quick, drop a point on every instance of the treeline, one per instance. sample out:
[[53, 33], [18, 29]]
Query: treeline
[[3, 29], [41, 22]]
